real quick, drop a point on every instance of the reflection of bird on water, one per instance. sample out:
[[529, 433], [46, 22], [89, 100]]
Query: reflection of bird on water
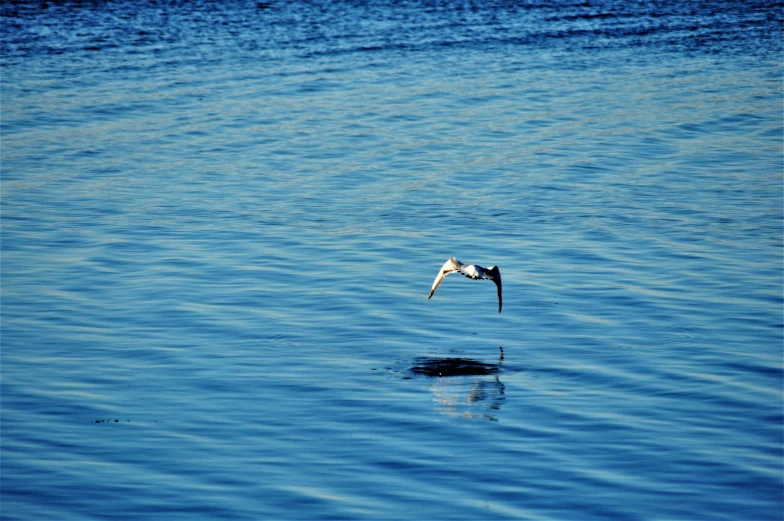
[[477, 397], [472, 271], [465, 387]]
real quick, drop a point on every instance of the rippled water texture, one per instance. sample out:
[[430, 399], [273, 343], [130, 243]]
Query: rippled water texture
[[221, 221]]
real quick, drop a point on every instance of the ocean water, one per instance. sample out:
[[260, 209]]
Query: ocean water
[[221, 221]]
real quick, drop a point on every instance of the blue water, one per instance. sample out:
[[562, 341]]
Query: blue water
[[221, 221]]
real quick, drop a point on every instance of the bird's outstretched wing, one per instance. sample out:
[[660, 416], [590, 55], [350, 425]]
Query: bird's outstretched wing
[[450, 266], [494, 274]]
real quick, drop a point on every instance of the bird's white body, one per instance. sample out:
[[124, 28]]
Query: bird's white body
[[472, 271]]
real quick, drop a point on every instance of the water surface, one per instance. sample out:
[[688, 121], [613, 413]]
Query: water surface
[[220, 223]]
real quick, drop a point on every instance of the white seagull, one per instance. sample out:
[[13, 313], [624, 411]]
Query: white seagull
[[472, 271]]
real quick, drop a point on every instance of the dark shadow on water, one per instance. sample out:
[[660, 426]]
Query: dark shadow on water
[[441, 367], [445, 367]]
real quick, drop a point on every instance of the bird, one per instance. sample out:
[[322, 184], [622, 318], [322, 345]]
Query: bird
[[472, 271]]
